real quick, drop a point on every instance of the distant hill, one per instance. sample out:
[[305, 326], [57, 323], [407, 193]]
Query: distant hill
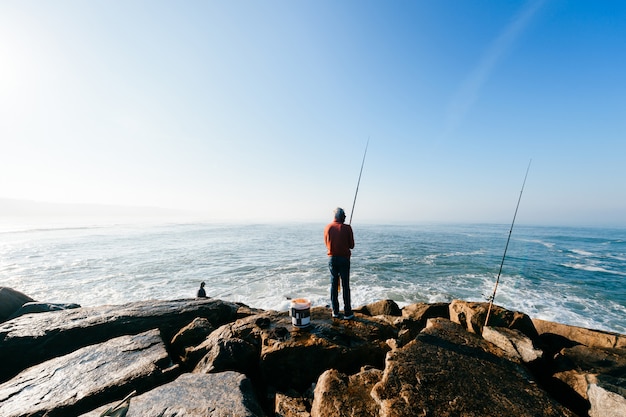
[[27, 208]]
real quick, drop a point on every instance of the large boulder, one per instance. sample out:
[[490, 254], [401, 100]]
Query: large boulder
[[34, 338], [447, 371], [191, 335], [288, 357], [517, 345], [338, 395], [581, 335], [10, 301], [415, 316], [596, 375], [381, 308], [196, 395], [472, 316], [88, 377]]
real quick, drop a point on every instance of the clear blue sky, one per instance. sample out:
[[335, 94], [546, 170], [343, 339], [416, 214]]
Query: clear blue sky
[[260, 110]]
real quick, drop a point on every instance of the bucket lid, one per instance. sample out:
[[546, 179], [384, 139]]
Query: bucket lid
[[300, 302]]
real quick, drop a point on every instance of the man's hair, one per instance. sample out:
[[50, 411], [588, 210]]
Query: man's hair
[[340, 214]]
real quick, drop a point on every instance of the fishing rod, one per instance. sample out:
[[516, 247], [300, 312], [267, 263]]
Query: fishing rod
[[359, 181], [493, 296]]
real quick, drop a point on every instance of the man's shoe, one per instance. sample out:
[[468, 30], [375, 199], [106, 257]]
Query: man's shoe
[[349, 317], [336, 316]]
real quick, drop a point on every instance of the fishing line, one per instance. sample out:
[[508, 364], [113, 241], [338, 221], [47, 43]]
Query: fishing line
[[493, 296], [229, 291], [359, 181]]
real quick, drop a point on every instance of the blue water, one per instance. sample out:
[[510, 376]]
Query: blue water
[[570, 275]]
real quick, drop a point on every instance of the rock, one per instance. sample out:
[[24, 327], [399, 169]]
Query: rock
[[287, 357], [414, 317], [35, 307], [410, 365], [587, 337], [296, 359], [594, 361], [90, 376], [435, 376], [229, 355], [34, 338], [10, 301], [196, 395], [607, 397], [191, 335], [289, 406], [580, 367], [338, 395], [381, 308], [472, 315], [234, 346], [424, 311], [517, 345]]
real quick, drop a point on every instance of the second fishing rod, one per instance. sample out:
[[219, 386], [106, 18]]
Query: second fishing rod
[[359, 181]]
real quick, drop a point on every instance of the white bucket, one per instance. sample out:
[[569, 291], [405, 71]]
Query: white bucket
[[300, 311]]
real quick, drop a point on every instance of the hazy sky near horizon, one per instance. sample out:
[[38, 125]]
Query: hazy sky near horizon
[[260, 110]]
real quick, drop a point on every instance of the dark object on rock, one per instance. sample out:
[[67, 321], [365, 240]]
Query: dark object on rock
[[10, 301]]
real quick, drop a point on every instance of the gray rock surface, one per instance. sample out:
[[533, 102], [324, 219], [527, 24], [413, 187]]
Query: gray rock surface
[[419, 363], [34, 338], [607, 397], [517, 345], [35, 307], [191, 335], [226, 394], [91, 375]]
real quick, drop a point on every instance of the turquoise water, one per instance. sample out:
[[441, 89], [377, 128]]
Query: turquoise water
[[571, 275]]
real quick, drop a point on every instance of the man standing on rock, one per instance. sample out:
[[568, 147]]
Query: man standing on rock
[[339, 240]]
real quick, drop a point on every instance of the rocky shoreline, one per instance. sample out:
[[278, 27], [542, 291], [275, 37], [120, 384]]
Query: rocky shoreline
[[209, 357]]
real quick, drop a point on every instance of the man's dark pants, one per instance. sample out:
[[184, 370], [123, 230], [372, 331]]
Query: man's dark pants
[[340, 270]]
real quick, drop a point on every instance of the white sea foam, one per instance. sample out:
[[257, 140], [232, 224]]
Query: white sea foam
[[581, 252], [264, 266], [593, 268]]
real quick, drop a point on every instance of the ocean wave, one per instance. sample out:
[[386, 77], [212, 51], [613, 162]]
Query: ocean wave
[[548, 245], [93, 266], [581, 252], [592, 268]]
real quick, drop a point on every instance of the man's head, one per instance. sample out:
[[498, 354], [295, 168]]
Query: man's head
[[340, 215]]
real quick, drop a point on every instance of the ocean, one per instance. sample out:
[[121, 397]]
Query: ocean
[[564, 274]]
